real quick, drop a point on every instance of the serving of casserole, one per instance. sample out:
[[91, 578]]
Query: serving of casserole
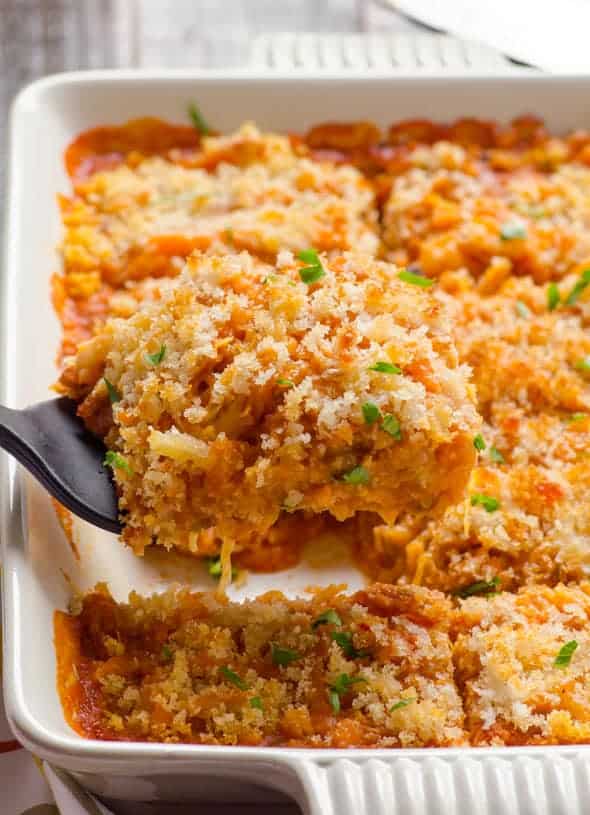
[[320, 355]]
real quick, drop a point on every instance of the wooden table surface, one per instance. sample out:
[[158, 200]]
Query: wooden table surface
[[39, 37]]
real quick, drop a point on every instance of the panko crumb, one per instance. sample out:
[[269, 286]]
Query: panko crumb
[[370, 670], [524, 662], [277, 374]]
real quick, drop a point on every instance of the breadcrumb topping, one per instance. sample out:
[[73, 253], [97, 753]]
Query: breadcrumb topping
[[524, 663], [390, 666], [371, 669], [535, 399], [261, 397], [242, 392]]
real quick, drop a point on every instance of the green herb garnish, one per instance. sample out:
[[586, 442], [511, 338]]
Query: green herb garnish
[[214, 567], [496, 456], [285, 383], [479, 443], [166, 653], [329, 617], [385, 368], [392, 426], [578, 288], [198, 120], [114, 394], [256, 702], [415, 279], [311, 274], [314, 270], [566, 652], [358, 475], [342, 685], [583, 364], [116, 462], [478, 588], [402, 703], [522, 310], [578, 417], [334, 699], [155, 359], [370, 412], [282, 656], [233, 677], [344, 640], [553, 296], [486, 501], [513, 231]]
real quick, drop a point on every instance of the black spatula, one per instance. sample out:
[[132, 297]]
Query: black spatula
[[55, 447]]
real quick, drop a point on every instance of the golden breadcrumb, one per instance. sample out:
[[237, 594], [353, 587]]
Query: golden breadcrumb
[[389, 666], [250, 191], [451, 208], [523, 664], [371, 669], [533, 391], [245, 392]]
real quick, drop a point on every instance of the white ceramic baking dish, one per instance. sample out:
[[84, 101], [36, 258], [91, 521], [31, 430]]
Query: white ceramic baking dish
[[39, 568]]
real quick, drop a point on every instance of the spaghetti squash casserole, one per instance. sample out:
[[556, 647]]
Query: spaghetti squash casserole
[[135, 218], [389, 666], [249, 392], [371, 669], [382, 334]]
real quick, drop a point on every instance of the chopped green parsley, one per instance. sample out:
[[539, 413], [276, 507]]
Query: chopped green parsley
[[344, 640], [479, 443], [342, 685], [156, 359], [198, 120], [486, 501], [282, 656], [233, 677], [329, 617], [214, 567], [480, 587], [117, 462], [392, 426], [358, 475], [385, 368], [415, 279], [496, 456], [566, 652], [114, 394], [314, 271], [553, 296], [370, 412], [578, 288], [402, 703]]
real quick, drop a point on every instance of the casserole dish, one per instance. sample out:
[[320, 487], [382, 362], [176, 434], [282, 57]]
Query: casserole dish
[[41, 569]]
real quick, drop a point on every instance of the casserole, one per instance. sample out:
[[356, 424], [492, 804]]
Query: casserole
[[40, 569]]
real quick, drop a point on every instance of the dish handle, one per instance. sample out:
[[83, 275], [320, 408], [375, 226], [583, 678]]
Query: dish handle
[[550, 781]]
